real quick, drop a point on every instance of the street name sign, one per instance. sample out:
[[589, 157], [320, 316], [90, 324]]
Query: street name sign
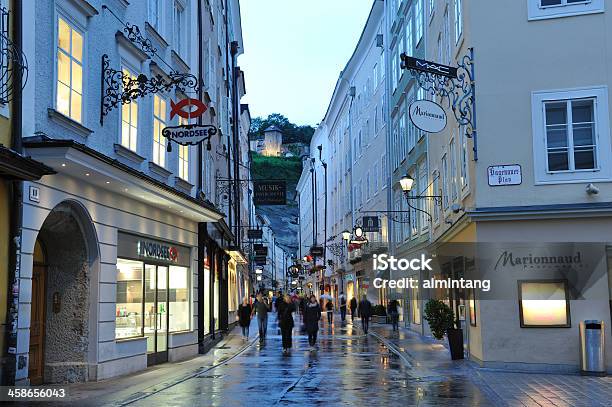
[[503, 175], [427, 116]]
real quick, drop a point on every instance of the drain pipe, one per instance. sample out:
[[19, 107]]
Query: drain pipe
[[16, 213]]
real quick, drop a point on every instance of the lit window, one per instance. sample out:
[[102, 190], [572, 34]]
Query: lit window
[[179, 300], [159, 123], [69, 71], [183, 157], [544, 303], [128, 313], [129, 120]]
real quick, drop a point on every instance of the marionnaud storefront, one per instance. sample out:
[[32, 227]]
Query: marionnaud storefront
[[109, 260]]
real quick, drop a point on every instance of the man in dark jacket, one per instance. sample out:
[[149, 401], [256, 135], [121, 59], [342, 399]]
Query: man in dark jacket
[[261, 308], [342, 307], [353, 306], [312, 315], [365, 312], [285, 320]]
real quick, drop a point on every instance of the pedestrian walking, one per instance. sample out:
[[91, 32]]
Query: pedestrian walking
[[342, 300], [244, 317], [261, 308], [329, 307], [286, 322], [353, 306], [365, 312], [312, 315], [393, 314]]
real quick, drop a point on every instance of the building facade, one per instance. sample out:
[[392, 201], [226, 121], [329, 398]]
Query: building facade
[[129, 254]]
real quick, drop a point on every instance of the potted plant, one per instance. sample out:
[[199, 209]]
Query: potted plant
[[379, 314], [441, 321]]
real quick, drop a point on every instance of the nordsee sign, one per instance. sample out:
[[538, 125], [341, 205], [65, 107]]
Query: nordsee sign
[[427, 116], [189, 134], [501, 175]]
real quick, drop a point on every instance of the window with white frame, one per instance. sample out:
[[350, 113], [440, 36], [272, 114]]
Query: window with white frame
[[368, 186], [543, 9], [420, 96], [432, 6], [444, 176], [159, 123], [418, 17], [154, 14], [179, 25], [403, 137], [463, 159], [375, 177], [409, 36], [458, 19], [452, 179], [425, 202], [398, 226], [129, 120], [383, 170], [394, 69], [571, 135], [440, 49], [414, 203], [396, 152], [69, 85], [446, 38]]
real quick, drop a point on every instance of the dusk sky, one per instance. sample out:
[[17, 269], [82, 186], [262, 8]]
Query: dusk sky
[[294, 52]]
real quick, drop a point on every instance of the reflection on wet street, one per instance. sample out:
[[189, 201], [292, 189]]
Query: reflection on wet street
[[348, 369]]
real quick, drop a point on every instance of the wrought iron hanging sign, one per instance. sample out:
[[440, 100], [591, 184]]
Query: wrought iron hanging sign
[[119, 88], [427, 116], [455, 85], [13, 62]]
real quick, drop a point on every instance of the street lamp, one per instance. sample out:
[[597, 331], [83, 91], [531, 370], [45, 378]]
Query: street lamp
[[346, 235], [406, 182]]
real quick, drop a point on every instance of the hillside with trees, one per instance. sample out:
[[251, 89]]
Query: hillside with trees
[[292, 133]]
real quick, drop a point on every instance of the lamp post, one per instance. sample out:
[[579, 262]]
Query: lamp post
[[407, 183]]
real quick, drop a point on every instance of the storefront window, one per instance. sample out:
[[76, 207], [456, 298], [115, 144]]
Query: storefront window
[[128, 321], [179, 299], [206, 326], [544, 304], [416, 310]]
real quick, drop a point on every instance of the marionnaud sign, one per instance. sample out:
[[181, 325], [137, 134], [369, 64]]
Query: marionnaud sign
[[427, 116], [501, 175], [189, 134]]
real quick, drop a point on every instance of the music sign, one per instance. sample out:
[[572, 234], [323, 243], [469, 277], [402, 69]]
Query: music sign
[[270, 192], [502, 175]]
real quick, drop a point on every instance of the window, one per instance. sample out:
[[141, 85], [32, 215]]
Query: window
[[435, 190], [464, 157], [571, 135], [444, 175], [418, 16], [440, 49], [452, 151], [544, 303], [128, 314], [183, 162], [424, 203], [398, 226], [409, 37], [446, 38], [416, 311], [383, 170], [159, 123], [154, 16], [403, 137], [129, 120], [179, 299], [542, 9], [69, 98], [414, 218], [458, 19], [432, 6], [375, 177], [394, 69], [179, 28]]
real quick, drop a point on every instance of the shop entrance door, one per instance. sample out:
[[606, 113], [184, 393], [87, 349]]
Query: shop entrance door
[[156, 313]]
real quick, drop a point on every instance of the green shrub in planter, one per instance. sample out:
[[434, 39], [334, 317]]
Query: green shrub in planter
[[440, 318], [379, 310]]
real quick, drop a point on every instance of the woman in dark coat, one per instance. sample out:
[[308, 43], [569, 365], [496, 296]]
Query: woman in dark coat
[[285, 320], [244, 317], [312, 315]]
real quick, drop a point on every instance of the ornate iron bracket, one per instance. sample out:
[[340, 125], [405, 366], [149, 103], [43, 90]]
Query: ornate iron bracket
[[459, 93], [133, 34], [13, 62], [224, 188], [119, 89], [337, 249]]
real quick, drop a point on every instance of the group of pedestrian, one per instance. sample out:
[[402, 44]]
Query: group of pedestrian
[[309, 308]]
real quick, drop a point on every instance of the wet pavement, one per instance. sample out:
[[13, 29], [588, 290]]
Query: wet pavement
[[348, 369]]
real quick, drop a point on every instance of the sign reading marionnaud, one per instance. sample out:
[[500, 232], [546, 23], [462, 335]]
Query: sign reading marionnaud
[[427, 116], [502, 175]]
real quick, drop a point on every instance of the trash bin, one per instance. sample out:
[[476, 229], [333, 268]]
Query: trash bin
[[592, 345]]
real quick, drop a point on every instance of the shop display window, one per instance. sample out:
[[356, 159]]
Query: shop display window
[[544, 304], [128, 313]]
